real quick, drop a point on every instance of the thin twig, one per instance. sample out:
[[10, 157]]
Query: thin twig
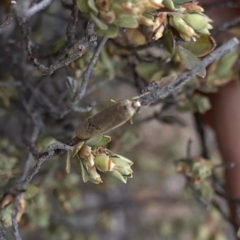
[[81, 91], [201, 134], [226, 25], [52, 150], [78, 49], [7, 21], [2, 231], [225, 4], [37, 8], [97, 85], [153, 92], [71, 28], [10, 84], [16, 232]]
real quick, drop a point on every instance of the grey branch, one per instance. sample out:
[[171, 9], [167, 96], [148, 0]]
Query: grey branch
[[81, 91], [16, 232], [79, 48], [154, 92], [2, 231], [8, 20], [27, 13]]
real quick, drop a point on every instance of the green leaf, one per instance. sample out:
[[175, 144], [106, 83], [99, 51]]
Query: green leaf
[[189, 60], [110, 32], [118, 176], [92, 6], [225, 64], [105, 140], [126, 21], [174, 120], [77, 148], [146, 70], [31, 191], [93, 142], [203, 45], [68, 162], [83, 170], [180, 2], [169, 41], [83, 6], [98, 22]]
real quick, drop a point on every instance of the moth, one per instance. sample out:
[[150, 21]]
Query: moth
[[108, 119]]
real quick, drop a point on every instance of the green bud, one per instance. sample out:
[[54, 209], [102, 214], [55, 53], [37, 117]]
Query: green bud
[[85, 154], [77, 148], [121, 160], [169, 4], [104, 163], [83, 170], [118, 176], [198, 22], [182, 27], [125, 171], [94, 177]]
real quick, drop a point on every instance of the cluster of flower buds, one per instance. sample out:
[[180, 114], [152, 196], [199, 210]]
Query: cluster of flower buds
[[146, 19], [92, 158], [10, 191], [197, 169]]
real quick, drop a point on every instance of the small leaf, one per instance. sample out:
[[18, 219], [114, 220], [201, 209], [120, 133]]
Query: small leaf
[[68, 162], [77, 148], [110, 32], [189, 60], [93, 142], [92, 6], [173, 120], [83, 6], [146, 70], [225, 64], [31, 191], [105, 140], [157, 75], [98, 22], [135, 36], [203, 45], [169, 41], [126, 21], [118, 176], [180, 2], [83, 170]]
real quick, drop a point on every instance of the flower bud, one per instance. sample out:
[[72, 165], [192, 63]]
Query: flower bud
[[182, 27], [104, 163], [94, 177], [85, 153], [118, 176], [198, 22]]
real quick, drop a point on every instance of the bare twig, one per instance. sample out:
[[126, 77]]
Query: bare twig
[[10, 84], [201, 134], [81, 91], [8, 20], [153, 92], [224, 4], [79, 48], [72, 23], [2, 231], [52, 150], [226, 26], [97, 86], [16, 232], [27, 13]]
